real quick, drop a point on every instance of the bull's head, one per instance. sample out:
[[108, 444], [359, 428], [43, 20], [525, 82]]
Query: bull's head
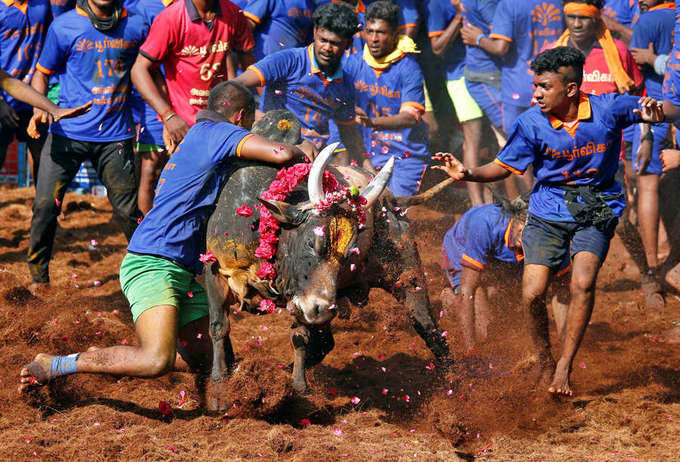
[[309, 261]]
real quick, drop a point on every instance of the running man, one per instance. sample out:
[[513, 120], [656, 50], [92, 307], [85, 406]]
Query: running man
[[573, 141], [311, 83], [157, 274]]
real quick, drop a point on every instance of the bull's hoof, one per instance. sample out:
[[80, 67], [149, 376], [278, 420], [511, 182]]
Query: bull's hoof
[[301, 388], [216, 391]]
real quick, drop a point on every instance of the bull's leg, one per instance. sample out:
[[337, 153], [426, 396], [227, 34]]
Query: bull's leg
[[299, 336], [223, 353], [321, 342]]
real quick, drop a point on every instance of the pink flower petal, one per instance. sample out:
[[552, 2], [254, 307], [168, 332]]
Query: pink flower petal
[[355, 400], [337, 432]]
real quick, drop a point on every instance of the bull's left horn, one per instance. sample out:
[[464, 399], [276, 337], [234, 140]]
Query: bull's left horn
[[374, 189], [315, 181]]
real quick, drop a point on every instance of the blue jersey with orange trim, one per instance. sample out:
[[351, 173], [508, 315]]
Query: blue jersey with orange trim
[[293, 81], [586, 153], [656, 27], [186, 194], [529, 25], [61, 6], [96, 67], [625, 12], [440, 15], [281, 24], [480, 13], [23, 28], [386, 93], [478, 238]]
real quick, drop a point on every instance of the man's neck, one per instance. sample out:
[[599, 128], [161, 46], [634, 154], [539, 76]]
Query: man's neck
[[204, 7], [101, 13], [568, 112], [585, 46]]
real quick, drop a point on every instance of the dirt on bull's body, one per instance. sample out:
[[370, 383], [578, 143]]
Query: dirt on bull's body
[[376, 396]]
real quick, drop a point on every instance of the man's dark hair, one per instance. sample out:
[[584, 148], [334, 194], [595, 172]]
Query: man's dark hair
[[595, 3], [337, 17], [279, 126], [387, 11], [230, 97], [552, 60]]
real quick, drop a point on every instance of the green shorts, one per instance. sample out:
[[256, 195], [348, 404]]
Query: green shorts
[[147, 147], [465, 105], [149, 281]]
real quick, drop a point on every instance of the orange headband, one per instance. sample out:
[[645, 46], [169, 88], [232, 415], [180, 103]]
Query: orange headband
[[582, 9]]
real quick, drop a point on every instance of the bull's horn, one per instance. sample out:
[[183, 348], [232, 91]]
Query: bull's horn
[[374, 189], [315, 181], [406, 201]]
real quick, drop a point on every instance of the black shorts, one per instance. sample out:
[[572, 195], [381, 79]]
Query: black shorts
[[549, 243]]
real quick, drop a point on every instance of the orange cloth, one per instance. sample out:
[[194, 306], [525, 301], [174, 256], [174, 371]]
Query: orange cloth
[[623, 81]]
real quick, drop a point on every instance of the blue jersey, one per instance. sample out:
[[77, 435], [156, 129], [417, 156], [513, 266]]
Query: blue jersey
[[480, 237], [186, 194], [671, 81], [281, 24], [625, 12], [440, 14], [62, 6], [293, 81], [656, 27], [529, 26], [151, 130], [480, 13], [585, 154], [94, 66], [22, 32]]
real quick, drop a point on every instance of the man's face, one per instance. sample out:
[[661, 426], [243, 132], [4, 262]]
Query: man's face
[[103, 4], [380, 38], [645, 5], [582, 28], [551, 92], [328, 47]]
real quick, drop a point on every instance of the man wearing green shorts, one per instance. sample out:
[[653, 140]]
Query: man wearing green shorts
[[157, 275]]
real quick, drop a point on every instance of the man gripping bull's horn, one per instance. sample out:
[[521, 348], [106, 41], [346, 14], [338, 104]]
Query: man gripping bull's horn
[[157, 274]]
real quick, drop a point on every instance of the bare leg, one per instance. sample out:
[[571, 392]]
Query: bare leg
[[299, 336], [482, 312], [152, 166], [560, 305], [648, 216], [156, 331], [586, 265], [534, 286], [472, 132]]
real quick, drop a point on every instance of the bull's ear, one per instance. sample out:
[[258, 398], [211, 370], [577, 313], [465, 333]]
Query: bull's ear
[[284, 212]]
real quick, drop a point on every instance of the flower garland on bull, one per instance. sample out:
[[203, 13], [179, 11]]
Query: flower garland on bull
[[288, 179]]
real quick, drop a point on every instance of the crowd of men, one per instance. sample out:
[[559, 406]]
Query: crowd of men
[[564, 89]]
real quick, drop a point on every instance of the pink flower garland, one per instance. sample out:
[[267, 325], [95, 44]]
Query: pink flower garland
[[287, 180]]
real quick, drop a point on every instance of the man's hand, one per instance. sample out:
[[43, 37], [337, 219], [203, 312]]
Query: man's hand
[[469, 34], [362, 118], [39, 117], [652, 110], [456, 4], [644, 55], [309, 148], [452, 166], [174, 131], [69, 112], [8, 118], [670, 159]]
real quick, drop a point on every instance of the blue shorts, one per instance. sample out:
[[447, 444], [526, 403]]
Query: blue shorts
[[408, 173], [488, 98], [510, 114], [548, 243], [661, 142], [629, 133]]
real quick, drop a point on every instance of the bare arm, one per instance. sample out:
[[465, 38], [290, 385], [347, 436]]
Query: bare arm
[[351, 138], [259, 148], [487, 173], [469, 282], [27, 94], [250, 79], [403, 119], [245, 59], [473, 36], [410, 31], [143, 79], [441, 42]]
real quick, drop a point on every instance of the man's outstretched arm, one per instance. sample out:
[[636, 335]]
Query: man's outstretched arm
[[487, 173]]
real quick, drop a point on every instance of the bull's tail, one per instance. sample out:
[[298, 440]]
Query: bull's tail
[[406, 201]]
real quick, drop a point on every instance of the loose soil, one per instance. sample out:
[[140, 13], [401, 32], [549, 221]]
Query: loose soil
[[627, 384]]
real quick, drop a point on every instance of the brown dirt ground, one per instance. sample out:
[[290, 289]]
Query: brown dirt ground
[[627, 403]]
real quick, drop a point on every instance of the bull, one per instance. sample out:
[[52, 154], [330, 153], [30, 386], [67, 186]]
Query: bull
[[313, 271]]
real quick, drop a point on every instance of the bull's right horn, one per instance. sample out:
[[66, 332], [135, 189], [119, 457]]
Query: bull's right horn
[[375, 188], [315, 180]]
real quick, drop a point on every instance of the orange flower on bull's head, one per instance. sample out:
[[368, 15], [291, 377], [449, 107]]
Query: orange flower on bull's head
[[283, 125]]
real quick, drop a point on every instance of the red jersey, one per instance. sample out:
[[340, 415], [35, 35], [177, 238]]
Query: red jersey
[[597, 78], [194, 53]]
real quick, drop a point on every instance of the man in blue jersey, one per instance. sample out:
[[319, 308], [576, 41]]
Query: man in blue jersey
[[619, 17], [652, 36], [572, 140], [158, 273], [93, 47], [311, 83], [23, 26], [389, 99], [279, 24]]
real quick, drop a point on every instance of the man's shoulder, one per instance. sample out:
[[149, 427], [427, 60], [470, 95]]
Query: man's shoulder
[[71, 21]]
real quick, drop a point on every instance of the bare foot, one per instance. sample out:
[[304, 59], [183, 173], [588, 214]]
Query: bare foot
[[671, 335], [560, 382], [36, 374], [546, 375], [38, 288]]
